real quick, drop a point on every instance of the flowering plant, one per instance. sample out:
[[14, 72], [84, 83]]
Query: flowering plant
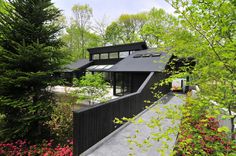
[[202, 135], [24, 148]]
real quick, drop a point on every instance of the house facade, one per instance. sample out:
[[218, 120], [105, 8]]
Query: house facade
[[124, 66]]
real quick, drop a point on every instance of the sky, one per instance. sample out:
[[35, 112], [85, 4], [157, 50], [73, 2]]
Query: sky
[[112, 9]]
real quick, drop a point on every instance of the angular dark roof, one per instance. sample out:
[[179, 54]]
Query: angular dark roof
[[143, 61], [119, 48], [77, 65]]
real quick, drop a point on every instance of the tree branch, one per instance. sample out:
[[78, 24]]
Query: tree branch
[[201, 33]]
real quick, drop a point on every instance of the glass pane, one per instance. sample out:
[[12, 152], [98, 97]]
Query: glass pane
[[104, 56], [124, 54], [114, 55], [119, 82], [107, 76], [95, 56], [108, 67], [99, 67], [91, 67]]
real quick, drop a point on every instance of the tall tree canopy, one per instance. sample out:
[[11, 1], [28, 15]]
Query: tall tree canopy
[[126, 29], [78, 36], [83, 14], [158, 26], [150, 26], [29, 54]]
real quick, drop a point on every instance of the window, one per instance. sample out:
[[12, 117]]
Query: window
[[124, 54], [100, 67], [114, 55], [104, 56], [95, 56], [122, 84], [108, 67]]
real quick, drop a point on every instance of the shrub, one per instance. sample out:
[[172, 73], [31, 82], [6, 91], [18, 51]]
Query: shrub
[[202, 135], [93, 88], [61, 122]]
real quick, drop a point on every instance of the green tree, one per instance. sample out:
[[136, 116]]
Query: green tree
[[113, 34], [83, 14], [1, 5], [78, 36], [99, 28], [126, 29], [72, 42], [152, 27], [29, 55], [92, 87], [158, 25], [212, 26]]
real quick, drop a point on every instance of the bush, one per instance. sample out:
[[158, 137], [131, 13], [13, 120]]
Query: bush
[[61, 122], [202, 136], [93, 88]]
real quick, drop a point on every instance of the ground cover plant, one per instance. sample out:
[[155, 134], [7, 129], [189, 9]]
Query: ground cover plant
[[47, 148]]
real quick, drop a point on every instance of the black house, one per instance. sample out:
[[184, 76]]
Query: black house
[[125, 66]]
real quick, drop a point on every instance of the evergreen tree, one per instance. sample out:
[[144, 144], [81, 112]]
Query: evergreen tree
[[29, 54]]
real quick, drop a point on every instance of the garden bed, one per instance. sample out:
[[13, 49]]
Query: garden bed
[[24, 148]]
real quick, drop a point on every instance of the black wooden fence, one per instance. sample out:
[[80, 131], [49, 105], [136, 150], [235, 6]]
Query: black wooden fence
[[93, 124]]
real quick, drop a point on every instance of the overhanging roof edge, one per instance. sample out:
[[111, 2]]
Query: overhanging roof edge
[[119, 48]]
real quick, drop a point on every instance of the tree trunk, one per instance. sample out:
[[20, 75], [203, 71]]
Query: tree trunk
[[82, 43], [232, 122], [232, 128]]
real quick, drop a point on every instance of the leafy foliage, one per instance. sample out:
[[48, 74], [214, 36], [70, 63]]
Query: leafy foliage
[[152, 26], [212, 43], [2, 3], [202, 135], [78, 36], [61, 122], [126, 29], [29, 54], [93, 87], [73, 46], [158, 25]]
